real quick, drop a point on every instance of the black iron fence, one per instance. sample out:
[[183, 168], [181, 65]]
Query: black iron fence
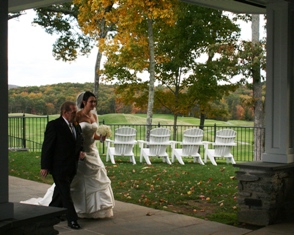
[[27, 133]]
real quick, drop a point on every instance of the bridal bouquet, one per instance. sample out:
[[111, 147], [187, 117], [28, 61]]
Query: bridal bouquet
[[103, 130]]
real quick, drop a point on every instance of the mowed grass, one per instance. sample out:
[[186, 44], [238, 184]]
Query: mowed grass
[[165, 119], [168, 119], [207, 192]]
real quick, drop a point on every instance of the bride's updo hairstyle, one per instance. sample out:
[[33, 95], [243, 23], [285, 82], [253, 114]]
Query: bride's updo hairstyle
[[86, 96]]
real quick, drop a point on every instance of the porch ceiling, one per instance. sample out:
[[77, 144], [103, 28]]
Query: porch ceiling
[[19, 5], [237, 6]]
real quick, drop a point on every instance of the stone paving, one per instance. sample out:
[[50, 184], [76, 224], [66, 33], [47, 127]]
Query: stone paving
[[132, 219]]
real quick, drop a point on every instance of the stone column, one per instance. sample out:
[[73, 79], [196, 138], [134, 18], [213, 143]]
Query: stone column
[[6, 208], [266, 194], [279, 109], [266, 188]]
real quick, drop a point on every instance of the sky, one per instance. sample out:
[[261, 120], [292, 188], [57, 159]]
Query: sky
[[30, 59]]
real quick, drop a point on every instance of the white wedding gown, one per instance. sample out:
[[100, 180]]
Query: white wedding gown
[[91, 188]]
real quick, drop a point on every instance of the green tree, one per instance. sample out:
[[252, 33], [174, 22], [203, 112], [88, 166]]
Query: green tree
[[252, 61], [198, 31], [14, 15], [106, 99], [62, 20], [232, 101]]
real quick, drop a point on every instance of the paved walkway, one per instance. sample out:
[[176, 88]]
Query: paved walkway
[[130, 219]]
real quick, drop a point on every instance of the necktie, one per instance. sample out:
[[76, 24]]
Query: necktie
[[72, 130]]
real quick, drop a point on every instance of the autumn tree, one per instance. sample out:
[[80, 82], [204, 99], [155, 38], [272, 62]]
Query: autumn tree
[[177, 48], [132, 48], [240, 99], [95, 20]]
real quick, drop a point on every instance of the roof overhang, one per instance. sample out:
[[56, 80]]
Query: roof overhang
[[20, 5], [236, 6]]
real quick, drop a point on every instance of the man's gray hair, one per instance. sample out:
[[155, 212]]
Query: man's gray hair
[[66, 106]]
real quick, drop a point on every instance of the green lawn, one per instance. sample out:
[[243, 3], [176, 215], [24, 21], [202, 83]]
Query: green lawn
[[207, 192], [165, 119]]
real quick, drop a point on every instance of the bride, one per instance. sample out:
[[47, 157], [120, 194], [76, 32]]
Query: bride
[[91, 188]]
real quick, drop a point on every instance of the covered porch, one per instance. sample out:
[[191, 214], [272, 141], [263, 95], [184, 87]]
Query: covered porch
[[277, 161]]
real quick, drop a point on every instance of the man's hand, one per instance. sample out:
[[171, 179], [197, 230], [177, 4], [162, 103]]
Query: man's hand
[[82, 155], [44, 172]]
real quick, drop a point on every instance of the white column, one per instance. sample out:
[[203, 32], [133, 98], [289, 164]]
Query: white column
[[279, 108], [6, 208]]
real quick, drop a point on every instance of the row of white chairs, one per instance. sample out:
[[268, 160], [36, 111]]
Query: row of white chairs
[[125, 139]]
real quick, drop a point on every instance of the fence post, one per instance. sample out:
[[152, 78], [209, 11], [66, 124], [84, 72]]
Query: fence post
[[103, 144], [214, 129], [158, 125], [24, 131]]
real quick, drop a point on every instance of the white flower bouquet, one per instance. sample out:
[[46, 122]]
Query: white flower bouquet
[[103, 131]]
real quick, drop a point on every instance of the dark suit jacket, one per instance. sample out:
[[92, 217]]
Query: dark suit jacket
[[60, 150]]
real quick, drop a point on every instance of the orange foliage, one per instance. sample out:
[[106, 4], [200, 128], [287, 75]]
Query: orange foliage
[[240, 112], [129, 18]]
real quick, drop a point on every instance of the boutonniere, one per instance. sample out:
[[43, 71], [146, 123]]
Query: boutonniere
[[77, 127]]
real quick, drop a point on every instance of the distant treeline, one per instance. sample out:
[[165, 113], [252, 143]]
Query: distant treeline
[[43, 100]]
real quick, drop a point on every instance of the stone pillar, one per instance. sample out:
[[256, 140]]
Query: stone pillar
[[266, 194], [279, 111], [6, 208]]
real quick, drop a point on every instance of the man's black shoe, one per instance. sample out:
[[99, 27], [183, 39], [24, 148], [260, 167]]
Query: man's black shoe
[[74, 225]]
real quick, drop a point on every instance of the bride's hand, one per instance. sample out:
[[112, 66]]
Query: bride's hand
[[82, 156], [102, 138]]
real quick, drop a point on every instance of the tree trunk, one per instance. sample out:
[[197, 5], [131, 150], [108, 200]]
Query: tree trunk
[[258, 121], [202, 119], [97, 74], [257, 96], [151, 79], [175, 127], [103, 33]]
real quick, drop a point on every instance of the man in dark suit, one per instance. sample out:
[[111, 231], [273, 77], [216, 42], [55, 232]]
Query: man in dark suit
[[61, 151]]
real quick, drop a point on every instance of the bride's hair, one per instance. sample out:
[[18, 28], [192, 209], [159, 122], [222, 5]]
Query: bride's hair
[[84, 96]]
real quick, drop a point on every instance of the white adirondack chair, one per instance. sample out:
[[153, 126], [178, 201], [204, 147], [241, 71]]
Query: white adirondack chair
[[224, 141], [123, 144], [157, 146], [192, 139]]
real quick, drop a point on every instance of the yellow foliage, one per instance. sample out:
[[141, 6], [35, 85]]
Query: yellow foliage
[[130, 20]]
